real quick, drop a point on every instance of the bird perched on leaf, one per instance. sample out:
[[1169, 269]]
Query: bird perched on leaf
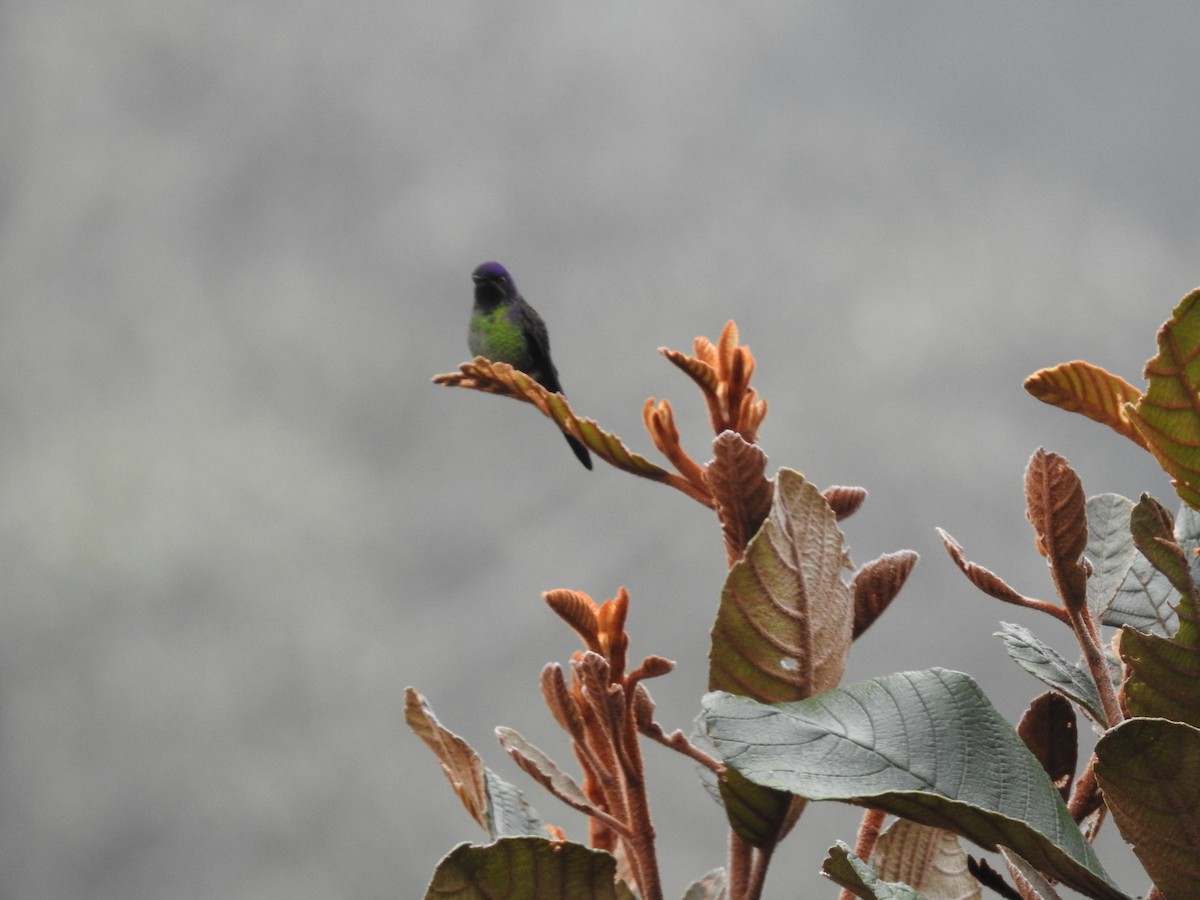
[[506, 329]]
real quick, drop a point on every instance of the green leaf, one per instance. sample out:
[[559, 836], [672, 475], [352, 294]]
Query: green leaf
[[846, 869], [1149, 770], [927, 746], [527, 868], [1153, 532], [1110, 548], [1046, 664], [1164, 677], [1146, 601], [1168, 414]]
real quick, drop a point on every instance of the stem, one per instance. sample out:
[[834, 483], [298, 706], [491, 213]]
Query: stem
[[1088, 636], [678, 742], [740, 859], [758, 873], [868, 835]]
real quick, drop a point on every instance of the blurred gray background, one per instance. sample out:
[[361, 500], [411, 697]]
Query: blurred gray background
[[237, 519]]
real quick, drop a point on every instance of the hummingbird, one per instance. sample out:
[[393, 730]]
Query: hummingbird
[[505, 328]]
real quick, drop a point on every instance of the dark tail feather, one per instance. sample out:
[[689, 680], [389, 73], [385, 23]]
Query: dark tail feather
[[580, 451]]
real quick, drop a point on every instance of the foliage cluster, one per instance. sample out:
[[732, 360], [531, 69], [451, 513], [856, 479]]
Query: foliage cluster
[[924, 753]]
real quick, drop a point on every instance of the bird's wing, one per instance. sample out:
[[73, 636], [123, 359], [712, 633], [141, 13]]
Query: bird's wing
[[541, 366]]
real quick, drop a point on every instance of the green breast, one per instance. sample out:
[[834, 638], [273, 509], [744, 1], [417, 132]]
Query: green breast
[[494, 336]]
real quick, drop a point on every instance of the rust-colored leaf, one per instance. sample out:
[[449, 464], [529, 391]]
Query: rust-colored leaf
[[984, 579], [562, 703], [876, 585], [659, 420], [844, 500], [578, 610], [1049, 730], [701, 372], [722, 372], [1057, 508], [500, 378], [736, 477], [1087, 389]]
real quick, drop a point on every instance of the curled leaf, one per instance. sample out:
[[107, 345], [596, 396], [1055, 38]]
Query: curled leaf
[[500, 378], [876, 585], [1049, 730], [844, 501], [740, 489], [1089, 390]]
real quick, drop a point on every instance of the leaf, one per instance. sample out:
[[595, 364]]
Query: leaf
[[1046, 664], [1110, 548], [843, 500], [927, 746], [1168, 413], [984, 579], [713, 886], [930, 859], [740, 490], [760, 816], [542, 769], [497, 806], [782, 630], [1163, 678], [527, 868], [1032, 884], [844, 868], [1149, 770], [1087, 389], [1153, 534], [876, 585], [490, 377], [1146, 601], [783, 627], [1056, 508], [1049, 730]]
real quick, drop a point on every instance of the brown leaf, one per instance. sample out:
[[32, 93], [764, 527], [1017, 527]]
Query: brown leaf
[[1089, 390], [461, 764], [562, 703], [1049, 730], [1057, 509], [500, 378], [984, 579], [783, 627], [844, 501], [736, 477], [546, 772], [876, 585]]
